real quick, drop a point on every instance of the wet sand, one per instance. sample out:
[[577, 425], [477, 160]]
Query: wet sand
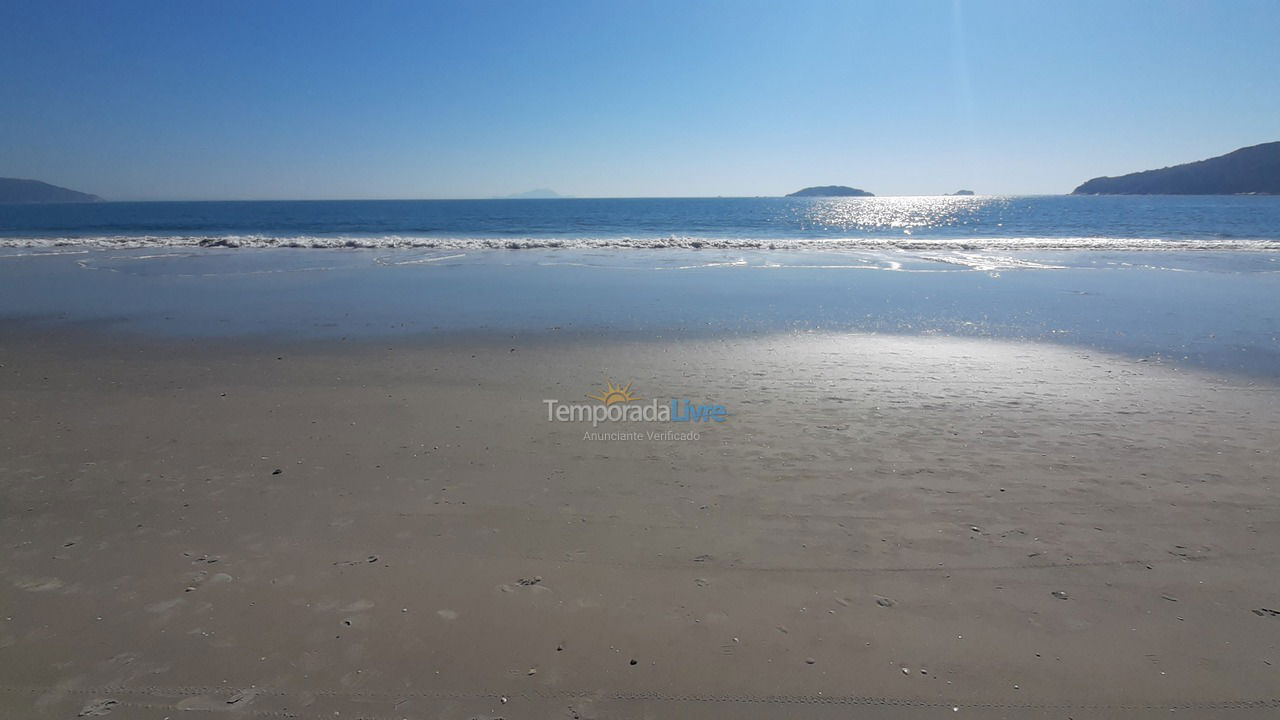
[[884, 527]]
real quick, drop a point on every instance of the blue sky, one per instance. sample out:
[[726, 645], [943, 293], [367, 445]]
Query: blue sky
[[176, 99]]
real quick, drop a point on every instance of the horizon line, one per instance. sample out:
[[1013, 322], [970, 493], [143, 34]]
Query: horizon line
[[550, 199]]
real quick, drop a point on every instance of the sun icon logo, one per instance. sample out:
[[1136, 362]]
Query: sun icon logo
[[614, 394]]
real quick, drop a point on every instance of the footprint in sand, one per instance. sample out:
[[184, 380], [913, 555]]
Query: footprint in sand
[[533, 584], [367, 561], [38, 584], [97, 708], [196, 581], [163, 606], [245, 696]]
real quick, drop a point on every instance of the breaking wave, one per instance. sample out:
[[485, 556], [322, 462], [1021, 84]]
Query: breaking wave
[[384, 242]]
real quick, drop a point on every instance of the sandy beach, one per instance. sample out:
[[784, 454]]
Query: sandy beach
[[884, 526], [654, 360]]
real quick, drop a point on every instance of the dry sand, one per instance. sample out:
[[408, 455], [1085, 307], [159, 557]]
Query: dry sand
[[885, 527]]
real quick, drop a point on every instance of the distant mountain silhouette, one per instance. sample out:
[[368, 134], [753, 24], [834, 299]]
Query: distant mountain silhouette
[[539, 194], [1248, 170], [962, 192], [831, 191], [13, 190]]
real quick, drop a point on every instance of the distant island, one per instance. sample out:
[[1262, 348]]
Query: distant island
[[1253, 170], [962, 192], [539, 194], [14, 190], [831, 191]]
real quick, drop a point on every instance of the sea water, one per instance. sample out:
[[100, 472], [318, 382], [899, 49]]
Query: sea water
[[1191, 281], [911, 223]]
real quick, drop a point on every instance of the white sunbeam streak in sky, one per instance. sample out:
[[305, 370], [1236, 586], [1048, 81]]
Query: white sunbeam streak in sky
[[962, 89]]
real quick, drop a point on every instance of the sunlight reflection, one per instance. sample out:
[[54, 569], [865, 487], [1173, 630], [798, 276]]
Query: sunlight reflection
[[884, 213]]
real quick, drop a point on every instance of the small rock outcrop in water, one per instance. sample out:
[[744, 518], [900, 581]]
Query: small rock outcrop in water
[[14, 190], [1248, 171], [962, 192], [831, 191]]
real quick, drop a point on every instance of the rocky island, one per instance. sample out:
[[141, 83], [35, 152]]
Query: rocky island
[[831, 191], [962, 192], [14, 190], [1252, 170]]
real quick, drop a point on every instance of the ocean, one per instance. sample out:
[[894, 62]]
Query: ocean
[[1189, 281], [907, 223]]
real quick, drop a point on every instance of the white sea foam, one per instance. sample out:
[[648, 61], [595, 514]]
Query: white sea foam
[[978, 261], [387, 242], [36, 251], [418, 260]]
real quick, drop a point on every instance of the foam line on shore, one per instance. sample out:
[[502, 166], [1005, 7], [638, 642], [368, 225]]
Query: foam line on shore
[[639, 243]]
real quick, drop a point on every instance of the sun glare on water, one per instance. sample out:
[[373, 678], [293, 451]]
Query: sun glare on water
[[894, 213]]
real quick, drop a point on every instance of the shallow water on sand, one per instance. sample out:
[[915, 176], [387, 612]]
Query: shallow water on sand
[[1205, 309]]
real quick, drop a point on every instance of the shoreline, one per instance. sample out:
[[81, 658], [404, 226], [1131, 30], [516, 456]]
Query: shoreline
[[1213, 311], [1028, 244]]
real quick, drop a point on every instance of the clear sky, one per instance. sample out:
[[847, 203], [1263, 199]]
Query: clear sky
[[272, 99]]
